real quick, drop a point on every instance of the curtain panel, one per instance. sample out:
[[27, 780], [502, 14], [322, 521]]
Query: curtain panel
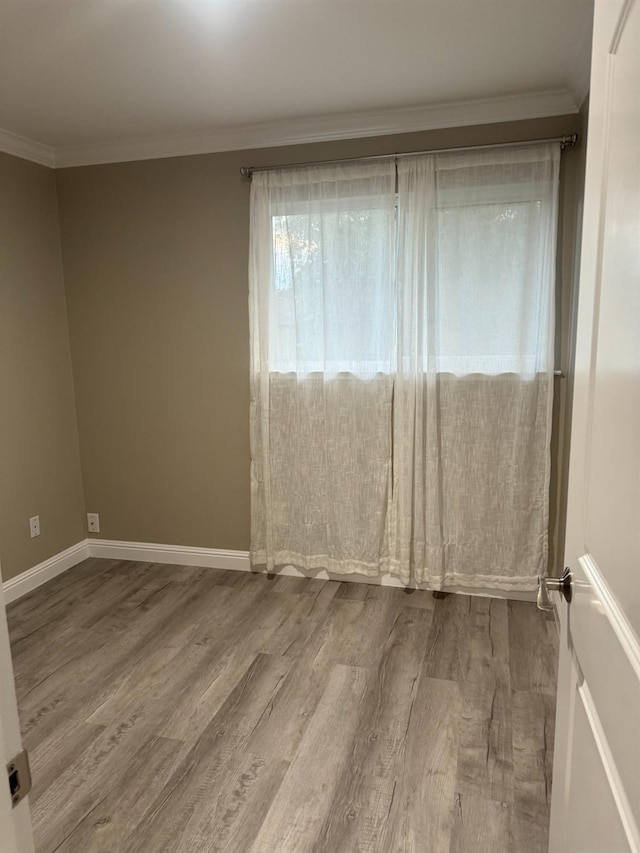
[[402, 335]]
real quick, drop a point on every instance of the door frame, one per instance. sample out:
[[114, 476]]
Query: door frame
[[15, 823]]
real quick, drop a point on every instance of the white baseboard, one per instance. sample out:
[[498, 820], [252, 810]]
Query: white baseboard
[[182, 555], [213, 558], [185, 555], [43, 572]]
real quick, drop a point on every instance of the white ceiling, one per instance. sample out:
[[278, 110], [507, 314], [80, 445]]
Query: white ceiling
[[99, 80]]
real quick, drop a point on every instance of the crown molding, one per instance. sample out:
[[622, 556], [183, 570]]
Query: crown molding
[[27, 149], [529, 105], [327, 128]]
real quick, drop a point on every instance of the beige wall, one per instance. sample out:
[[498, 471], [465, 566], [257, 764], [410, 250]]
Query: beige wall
[[39, 457], [155, 257]]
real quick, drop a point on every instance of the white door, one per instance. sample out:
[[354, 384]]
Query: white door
[[596, 785], [15, 823]]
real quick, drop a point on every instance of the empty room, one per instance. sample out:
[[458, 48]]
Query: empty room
[[319, 406]]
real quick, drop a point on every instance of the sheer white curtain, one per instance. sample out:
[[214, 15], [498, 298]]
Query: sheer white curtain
[[322, 304], [474, 386], [402, 357]]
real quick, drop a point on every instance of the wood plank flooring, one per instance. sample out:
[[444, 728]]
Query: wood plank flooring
[[167, 708]]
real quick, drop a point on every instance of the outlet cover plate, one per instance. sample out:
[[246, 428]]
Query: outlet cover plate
[[93, 522], [34, 526]]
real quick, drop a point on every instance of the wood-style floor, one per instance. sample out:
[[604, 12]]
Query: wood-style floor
[[168, 708]]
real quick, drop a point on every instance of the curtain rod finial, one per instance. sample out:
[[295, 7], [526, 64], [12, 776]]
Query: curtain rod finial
[[246, 171], [569, 141]]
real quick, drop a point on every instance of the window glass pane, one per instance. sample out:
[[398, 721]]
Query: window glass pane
[[332, 290], [489, 271], [461, 260]]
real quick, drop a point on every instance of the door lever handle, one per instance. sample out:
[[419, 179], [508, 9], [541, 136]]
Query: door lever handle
[[561, 584]]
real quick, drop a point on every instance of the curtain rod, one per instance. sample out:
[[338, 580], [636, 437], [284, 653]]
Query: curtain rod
[[565, 142]]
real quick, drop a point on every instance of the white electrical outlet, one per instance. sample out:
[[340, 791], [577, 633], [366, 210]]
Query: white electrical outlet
[[93, 522], [34, 526]]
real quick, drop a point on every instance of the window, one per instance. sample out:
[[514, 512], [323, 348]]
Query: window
[[369, 281], [477, 291], [333, 289]]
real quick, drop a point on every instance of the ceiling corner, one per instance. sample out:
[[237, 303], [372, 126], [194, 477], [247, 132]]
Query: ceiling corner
[[579, 79]]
